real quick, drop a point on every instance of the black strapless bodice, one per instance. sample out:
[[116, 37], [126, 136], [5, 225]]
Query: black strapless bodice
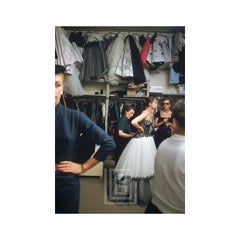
[[148, 129]]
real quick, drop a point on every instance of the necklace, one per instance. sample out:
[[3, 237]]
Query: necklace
[[165, 114]]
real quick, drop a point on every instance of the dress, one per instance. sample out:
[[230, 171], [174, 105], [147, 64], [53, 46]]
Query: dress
[[163, 130], [94, 65], [113, 54], [125, 67], [72, 84], [137, 159], [67, 53], [137, 163]]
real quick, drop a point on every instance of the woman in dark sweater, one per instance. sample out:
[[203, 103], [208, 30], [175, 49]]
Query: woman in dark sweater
[[71, 127]]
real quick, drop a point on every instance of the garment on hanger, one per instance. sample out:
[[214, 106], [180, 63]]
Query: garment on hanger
[[137, 41], [125, 67], [144, 52], [113, 55], [108, 39], [95, 64], [173, 76], [177, 45], [72, 83], [179, 66], [124, 60], [138, 73], [78, 38], [178, 52], [142, 40], [66, 52], [68, 101], [159, 52], [93, 109]]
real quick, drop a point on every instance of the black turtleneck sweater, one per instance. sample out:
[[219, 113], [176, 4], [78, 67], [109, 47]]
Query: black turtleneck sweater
[[76, 136]]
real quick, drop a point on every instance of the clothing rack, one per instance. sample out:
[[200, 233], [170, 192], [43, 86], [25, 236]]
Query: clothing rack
[[105, 98]]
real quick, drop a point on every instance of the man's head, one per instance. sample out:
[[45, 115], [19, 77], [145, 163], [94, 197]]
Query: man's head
[[59, 82]]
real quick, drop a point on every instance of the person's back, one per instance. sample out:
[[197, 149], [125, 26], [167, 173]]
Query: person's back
[[168, 184]]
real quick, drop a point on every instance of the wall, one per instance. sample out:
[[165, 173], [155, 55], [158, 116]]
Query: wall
[[162, 79]]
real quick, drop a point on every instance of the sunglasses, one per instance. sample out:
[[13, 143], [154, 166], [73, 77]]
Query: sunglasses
[[165, 103]]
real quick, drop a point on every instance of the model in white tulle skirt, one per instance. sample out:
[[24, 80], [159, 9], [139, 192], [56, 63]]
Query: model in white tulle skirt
[[136, 163]]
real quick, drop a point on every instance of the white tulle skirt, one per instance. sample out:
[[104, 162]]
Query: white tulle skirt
[[137, 159]]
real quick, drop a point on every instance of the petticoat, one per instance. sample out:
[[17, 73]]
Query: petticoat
[[137, 159]]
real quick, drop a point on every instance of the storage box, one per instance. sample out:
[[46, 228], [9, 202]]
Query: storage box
[[181, 89], [131, 93], [156, 89]]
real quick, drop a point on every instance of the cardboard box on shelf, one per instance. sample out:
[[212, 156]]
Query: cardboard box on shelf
[[131, 93]]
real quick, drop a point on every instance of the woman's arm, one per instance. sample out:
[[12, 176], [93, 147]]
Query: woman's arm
[[138, 119], [76, 168], [172, 125], [156, 123], [98, 136], [125, 135]]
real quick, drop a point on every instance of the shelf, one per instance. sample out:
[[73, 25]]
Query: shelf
[[97, 96], [111, 97], [101, 80], [167, 94], [161, 29]]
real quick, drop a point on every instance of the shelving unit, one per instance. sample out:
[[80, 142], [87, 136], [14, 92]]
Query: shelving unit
[[102, 30]]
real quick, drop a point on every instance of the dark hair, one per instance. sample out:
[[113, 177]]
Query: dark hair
[[150, 100], [166, 99], [179, 112], [129, 107], [59, 69]]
